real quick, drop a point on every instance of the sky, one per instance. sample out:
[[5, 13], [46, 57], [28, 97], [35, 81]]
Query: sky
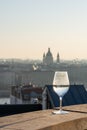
[[29, 27]]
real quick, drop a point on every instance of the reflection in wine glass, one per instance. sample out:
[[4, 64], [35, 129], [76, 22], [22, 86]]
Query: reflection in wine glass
[[60, 86]]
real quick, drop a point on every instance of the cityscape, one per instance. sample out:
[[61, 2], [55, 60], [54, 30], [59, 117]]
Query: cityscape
[[18, 72]]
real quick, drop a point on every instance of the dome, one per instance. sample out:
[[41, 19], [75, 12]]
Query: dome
[[49, 53], [48, 58]]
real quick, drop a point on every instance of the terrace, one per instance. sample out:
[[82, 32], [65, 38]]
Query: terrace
[[75, 101], [76, 119]]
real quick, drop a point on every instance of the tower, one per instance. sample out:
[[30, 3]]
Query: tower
[[44, 58], [58, 58]]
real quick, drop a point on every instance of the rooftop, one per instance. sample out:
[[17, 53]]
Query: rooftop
[[76, 119]]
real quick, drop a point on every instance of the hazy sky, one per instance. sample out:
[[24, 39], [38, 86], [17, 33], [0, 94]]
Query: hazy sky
[[29, 27]]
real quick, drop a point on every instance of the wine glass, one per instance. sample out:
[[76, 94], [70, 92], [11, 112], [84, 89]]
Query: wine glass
[[60, 86]]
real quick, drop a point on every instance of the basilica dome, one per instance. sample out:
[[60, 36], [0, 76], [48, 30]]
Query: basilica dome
[[49, 53], [48, 58]]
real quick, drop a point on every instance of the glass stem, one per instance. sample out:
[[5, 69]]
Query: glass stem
[[60, 103]]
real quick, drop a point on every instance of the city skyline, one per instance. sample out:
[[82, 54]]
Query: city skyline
[[28, 28]]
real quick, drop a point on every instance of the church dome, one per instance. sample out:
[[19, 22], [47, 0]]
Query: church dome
[[49, 53], [48, 58]]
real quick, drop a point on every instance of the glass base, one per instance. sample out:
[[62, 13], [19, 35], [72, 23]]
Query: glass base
[[60, 112]]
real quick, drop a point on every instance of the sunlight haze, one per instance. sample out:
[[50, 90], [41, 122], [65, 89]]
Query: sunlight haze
[[29, 27]]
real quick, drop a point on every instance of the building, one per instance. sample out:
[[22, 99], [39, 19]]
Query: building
[[76, 94], [48, 58], [27, 94]]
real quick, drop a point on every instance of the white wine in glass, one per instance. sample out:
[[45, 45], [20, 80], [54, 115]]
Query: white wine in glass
[[61, 86]]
